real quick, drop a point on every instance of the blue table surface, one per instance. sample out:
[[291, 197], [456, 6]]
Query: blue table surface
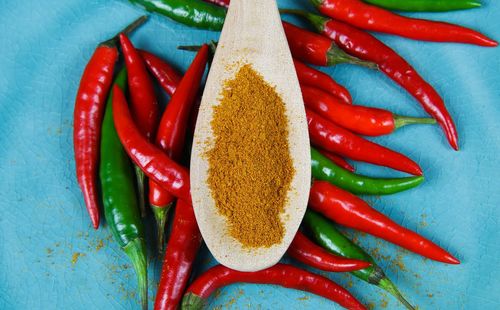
[[51, 258]]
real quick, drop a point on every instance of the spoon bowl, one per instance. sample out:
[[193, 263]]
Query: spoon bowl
[[252, 34]]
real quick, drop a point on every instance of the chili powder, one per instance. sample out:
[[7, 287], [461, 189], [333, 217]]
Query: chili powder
[[250, 166]]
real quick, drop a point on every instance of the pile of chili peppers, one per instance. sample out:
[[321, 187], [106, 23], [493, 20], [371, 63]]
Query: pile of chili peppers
[[111, 137]]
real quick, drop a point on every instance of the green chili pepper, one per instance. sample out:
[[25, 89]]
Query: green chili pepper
[[192, 13], [425, 5], [325, 233], [119, 195], [325, 170]]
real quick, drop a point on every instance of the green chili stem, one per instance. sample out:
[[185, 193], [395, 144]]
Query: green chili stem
[[127, 30], [191, 301], [302, 13], [161, 216], [400, 121], [190, 48], [141, 190], [337, 56]]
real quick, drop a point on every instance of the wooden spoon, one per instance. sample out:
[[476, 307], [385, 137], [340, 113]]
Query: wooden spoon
[[252, 34]]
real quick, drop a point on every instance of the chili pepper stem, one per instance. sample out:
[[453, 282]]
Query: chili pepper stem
[[127, 30], [387, 285], [334, 55], [135, 251], [161, 216], [190, 48], [337, 56], [140, 190], [192, 301], [317, 21], [400, 121]]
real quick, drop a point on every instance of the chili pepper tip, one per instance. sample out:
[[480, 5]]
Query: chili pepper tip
[[450, 259], [393, 290], [135, 251], [95, 220]]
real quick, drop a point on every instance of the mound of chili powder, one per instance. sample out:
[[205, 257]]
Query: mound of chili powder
[[250, 167]]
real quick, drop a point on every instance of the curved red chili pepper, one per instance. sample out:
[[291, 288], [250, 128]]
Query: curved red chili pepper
[[372, 18], [185, 241], [307, 252], [306, 46], [367, 47], [280, 274], [358, 119], [166, 75], [169, 78], [142, 94], [348, 210], [338, 160], [171, 132], [312, 77], [89, 110], [315, 49], [361, 120], [172, 129], [150, 159], [333, 138]]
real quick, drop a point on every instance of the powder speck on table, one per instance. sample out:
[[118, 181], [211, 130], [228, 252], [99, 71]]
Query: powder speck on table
[[250, 167]]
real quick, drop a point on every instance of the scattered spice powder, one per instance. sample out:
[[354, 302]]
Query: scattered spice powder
[[384, 303], [75, 257], [99, 245], [250, 167]]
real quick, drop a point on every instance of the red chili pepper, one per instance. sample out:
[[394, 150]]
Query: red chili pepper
[[169, 78], [372, 18], [312, 77], [338, 160], [185, 241], [223, 3], [333, 138], [316, 49], [358, 119], [348, 210], [149, 158], [172, 132], [143, 101], [367, 47], [142, 94], [280, 274], [307, 252], [166, 75], [89, 110]]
